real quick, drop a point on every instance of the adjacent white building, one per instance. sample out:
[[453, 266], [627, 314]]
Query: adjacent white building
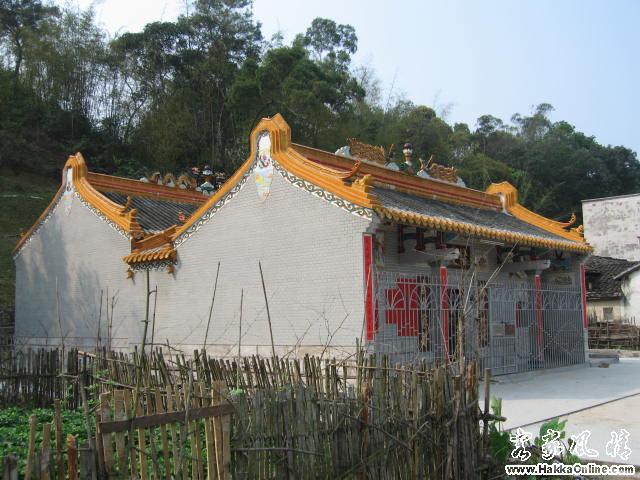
[[612, 226], [613, 290]]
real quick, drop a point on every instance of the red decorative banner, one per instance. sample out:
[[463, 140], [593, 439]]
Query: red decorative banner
[[583, 295], [367, 256]]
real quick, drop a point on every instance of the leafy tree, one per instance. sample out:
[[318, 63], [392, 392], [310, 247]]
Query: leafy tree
[[20, 19], [328, 41], [189, 91]]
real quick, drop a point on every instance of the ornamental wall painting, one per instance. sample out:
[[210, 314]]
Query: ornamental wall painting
[[264, 166], [67, 196]]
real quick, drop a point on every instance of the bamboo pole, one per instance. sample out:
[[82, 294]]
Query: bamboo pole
[[266, 302], [213, 299]]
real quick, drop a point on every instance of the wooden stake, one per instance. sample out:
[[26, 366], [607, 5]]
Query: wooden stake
[[72, 457], [45, 457], [239, 338], [487, 406], [32, 448], [57, 420]]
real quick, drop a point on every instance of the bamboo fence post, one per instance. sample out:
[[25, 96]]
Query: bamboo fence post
[[87, 462], [105, 416], [487, 407], [32, 448], [72, 458], [209, 438], [45, 456], [163, 435], [10, 468], [57, 419], [131, 446]]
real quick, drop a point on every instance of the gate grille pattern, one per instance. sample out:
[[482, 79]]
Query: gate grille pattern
[[508, 327]]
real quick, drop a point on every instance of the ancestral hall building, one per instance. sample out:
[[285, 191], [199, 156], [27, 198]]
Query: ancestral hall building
[[352, 247]]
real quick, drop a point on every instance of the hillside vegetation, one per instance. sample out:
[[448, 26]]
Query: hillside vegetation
[[188, 92], [23, 197]]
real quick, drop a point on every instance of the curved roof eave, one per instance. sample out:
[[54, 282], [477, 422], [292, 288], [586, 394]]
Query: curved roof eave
[[115, 214]]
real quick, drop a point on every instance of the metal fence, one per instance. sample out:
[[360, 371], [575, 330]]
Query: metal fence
[[508, 327]]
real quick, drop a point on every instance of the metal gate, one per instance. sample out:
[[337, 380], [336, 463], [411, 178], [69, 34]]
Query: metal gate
[[509, 327]]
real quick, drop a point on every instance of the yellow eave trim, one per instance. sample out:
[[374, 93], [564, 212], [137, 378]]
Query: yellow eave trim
[[509, 195], [168, 253], [446, 225], [113, 211]]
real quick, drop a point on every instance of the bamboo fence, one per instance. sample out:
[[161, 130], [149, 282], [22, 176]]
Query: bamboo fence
[[296, 418], [616, 334]]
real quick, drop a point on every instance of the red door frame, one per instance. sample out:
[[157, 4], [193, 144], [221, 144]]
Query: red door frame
[[367, 257], [583, 296]]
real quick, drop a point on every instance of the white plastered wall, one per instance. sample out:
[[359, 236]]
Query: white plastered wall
[[611, 226], [596, 308], [631, 290], [61, 272], [311, 254]]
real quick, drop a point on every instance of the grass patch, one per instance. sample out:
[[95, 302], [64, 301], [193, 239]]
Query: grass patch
[[24, 197]]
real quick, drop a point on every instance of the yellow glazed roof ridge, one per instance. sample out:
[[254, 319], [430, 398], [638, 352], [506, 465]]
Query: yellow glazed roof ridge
[[126, 221], [449, 193], [443, 224], [509, 195], [127, 186], [292, 161], [334, 173], [412, 184], [112, 210]]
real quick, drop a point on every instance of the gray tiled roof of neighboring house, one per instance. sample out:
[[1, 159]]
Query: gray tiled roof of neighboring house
[[154, 215], [603, 281], [473, 216]]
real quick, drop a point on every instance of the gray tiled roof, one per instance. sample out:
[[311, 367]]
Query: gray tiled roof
[[473, 216], [601, 273], [154, 215]]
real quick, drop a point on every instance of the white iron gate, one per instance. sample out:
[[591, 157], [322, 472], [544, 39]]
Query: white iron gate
[[509, 327]]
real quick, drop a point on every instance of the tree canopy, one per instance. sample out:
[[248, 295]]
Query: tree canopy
[[187, 92]]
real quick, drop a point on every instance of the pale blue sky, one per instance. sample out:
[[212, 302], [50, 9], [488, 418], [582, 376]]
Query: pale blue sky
[[475, 57]]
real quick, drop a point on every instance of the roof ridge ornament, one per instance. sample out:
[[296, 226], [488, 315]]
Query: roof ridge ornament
[[352, 172], [126, 206], [369, 153], [571, 220]]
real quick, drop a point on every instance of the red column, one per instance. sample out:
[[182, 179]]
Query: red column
[[583, 295], [539, 337], [444, 309], [367, 256]]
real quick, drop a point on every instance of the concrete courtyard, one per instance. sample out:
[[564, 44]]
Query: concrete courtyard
[[601, 400]]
